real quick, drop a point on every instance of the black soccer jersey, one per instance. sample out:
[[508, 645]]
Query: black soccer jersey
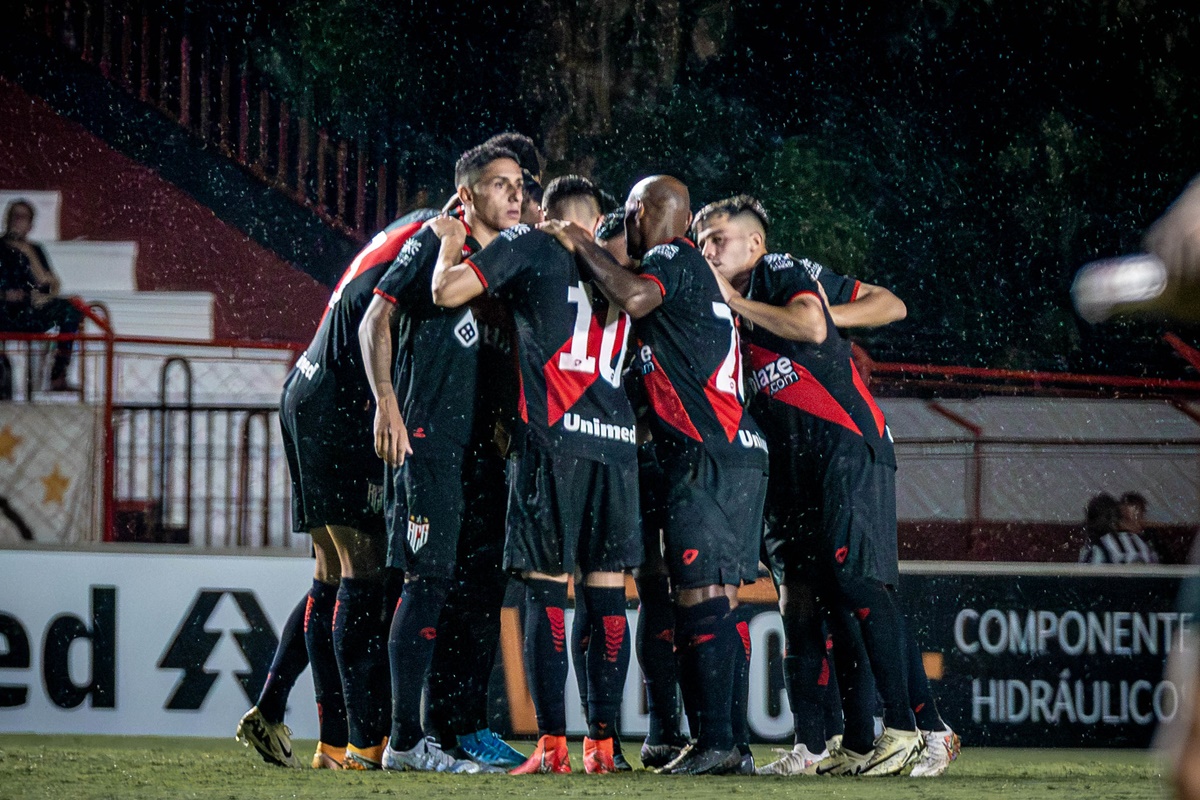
[[818, 379], [572, 345], [691, 361], [333, 362], [840, 289], [436, 349]]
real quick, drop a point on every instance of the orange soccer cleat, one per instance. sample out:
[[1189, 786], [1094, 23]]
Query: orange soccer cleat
[[328, 757], [598, 756], [550, 756]]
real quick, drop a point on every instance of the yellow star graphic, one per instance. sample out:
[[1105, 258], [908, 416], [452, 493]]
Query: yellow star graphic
[[8, 443], [56, 486]]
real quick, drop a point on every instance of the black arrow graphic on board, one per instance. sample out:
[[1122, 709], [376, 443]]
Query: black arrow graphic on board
[[257, 644], [189, 651]]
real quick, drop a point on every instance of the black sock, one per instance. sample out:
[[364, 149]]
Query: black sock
[[656, 654], [854, 678], [289, 662], [361, 650], [920, 694], [806, 673], [706, 631], [581, 637], [410, 652], [327, 682], [607, 659], [546, 653], [881, 623], [739, 708], [831, 703]]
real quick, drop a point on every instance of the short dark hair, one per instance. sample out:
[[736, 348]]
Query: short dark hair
[[732, 207], [612, 226], [472, 163], [569, 187], [1103, 515], [526, 151], [533, 189], [1134, 499]]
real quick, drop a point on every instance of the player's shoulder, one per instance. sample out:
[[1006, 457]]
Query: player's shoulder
[[663, 252], [521, 233], [781, 262]]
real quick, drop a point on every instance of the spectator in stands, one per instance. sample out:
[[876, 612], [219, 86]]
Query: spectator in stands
[[1109, 540], [31, 301]]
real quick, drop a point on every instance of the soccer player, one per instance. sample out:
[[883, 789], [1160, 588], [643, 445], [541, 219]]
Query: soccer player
[[835, 544], [713, 456], [433, 370], [573, 480]]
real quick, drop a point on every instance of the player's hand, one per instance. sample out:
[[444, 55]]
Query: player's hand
[[448, 226], [821, 289], [727, 290], [391, 437], [568, 233]]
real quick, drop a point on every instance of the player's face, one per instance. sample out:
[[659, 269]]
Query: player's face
[[20, 222], [635, 239], [497, 195], [728, 244], [531, 212], [618, 249]]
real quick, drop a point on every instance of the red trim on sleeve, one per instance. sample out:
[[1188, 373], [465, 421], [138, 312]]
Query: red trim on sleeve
[[478, 274], [798, 294], [386, 296], [661, 288], [854, 294]]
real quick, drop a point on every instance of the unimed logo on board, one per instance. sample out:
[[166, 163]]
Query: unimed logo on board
[[194, 642]]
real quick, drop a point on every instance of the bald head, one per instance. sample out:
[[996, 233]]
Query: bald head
[[657, 211]]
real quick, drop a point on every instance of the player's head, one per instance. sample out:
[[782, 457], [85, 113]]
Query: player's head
[[573, 198], [523, 148], [611, 236], [490, 187], [657, 210], [732, 233], [531, 207], [18, 221]]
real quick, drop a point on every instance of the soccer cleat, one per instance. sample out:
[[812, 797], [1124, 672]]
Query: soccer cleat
[[598, 756], [365, 759], [550, 756], [941, 747], [797, 761], [272, 740], [426, 756], [841, 761], [746, 765], [894, 751], [659, 755], [485, 747], [833, 742], [621, 763], [328, 757], [707, 761]]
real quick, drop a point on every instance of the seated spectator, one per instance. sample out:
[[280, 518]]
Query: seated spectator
[[1108, 542], [30, 300]]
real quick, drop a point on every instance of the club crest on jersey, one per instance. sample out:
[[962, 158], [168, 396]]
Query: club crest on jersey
[[508, 234], [466, 330], [776, 375], [666, 251], [418, 532]]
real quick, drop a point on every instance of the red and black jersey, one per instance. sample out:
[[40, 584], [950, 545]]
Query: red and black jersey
[[572, 345], [820, 380], [436, 349], [691, 360], [333, 360]]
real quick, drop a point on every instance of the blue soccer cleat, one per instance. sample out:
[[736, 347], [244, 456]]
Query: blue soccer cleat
[[486, 747]]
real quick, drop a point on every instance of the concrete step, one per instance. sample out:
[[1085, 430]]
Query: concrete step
[[46, 206], [86, 267]]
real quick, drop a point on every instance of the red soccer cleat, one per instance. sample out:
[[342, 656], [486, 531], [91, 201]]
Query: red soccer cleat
[[550, 756], [598, 756]]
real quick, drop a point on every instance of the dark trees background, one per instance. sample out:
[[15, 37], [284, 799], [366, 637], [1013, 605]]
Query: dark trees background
[[970, 155]]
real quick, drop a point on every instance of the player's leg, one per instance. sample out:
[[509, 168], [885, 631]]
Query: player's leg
[[359, 644], [581, 631], [318, 640], [942, 744]]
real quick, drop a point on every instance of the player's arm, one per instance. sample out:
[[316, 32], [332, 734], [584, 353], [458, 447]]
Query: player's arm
[[455, 282], [871, 307], [801, 320], [375, 339], [634, 295]]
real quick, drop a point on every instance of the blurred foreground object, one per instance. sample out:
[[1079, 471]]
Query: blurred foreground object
[[1165, 281]]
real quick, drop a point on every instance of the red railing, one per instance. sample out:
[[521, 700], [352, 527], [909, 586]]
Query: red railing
[[199, 73]]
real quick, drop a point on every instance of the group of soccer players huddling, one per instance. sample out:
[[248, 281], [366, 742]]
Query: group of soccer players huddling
[[585, 370]]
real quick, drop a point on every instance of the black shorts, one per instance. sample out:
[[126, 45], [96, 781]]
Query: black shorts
[[830, 516], [714, 521], [652, 489], [424, 511], [567, 513], [336, 477]]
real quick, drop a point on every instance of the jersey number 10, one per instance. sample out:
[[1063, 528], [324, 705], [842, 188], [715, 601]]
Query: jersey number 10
[[579, 357]]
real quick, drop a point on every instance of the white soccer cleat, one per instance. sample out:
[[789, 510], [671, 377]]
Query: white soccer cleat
[[797, 761], [894, 751], [941, 747], [426, 756], [272, 740]]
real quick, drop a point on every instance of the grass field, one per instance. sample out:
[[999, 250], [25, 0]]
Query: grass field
[[72, 767]]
